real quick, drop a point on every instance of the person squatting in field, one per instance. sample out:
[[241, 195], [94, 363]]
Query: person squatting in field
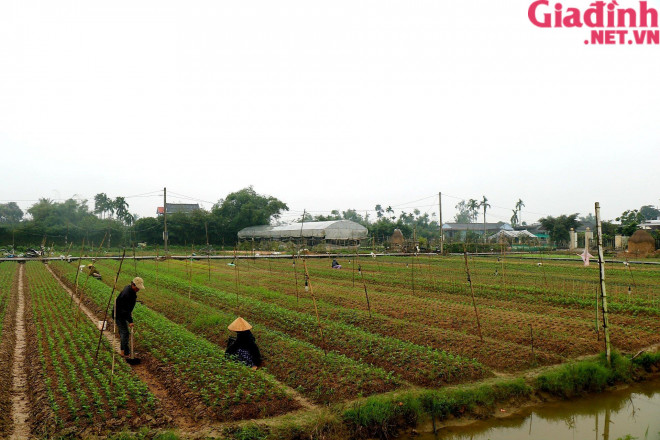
[[243, 347], [335, 264], [123, 312]]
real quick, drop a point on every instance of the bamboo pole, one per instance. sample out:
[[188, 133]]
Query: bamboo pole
[[156, 261], [295, 271], [366, 294], [105, 317], [80, 295], [192, 251], [236, 275], [82, 249], [208, 249], [316, 310], [474, 304], [603, 290]]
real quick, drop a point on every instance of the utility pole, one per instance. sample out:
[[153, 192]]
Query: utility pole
[[442, 238], [165, 217], [603, 292]]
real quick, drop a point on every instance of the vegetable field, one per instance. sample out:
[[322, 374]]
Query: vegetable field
[[327, 336]]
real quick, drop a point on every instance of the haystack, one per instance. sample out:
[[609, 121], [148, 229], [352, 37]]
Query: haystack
[[641, 243], [397, 239]]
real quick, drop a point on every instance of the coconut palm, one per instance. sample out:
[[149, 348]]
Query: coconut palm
[[484, 204], [121, 208], [514, 217], [101, 204], [519, 206]]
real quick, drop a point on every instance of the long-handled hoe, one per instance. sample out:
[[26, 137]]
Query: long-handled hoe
[[133, 360]]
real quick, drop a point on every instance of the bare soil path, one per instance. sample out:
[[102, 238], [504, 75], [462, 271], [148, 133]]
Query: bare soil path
[[19, 392]]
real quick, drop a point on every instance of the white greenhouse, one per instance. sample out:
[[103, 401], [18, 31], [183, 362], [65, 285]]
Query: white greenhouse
[[339, 232]]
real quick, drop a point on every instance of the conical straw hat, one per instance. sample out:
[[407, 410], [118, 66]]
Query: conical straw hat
[[239, 325]]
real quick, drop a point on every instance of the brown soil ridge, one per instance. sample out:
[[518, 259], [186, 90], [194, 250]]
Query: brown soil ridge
[[147, 371], [6, 358], [19, 392], [181, 415]]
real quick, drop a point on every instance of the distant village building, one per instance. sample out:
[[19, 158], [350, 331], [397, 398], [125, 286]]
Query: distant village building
[[652, 225], [458, 231], [173, 208], [641, 243], [336, 232]]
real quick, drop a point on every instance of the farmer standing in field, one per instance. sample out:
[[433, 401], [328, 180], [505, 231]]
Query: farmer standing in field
[[124, 305]]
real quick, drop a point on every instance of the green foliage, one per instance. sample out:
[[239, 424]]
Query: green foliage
[[383, 416], [248, 432], [577, 378], [559, 227], [10, 213], [244, 208], [630, 220], [647, 360]]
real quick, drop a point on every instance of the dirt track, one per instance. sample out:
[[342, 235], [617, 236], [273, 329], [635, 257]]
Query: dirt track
[[19, 393]]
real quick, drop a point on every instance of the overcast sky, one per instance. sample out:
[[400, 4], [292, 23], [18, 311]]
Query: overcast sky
[[324, 105]]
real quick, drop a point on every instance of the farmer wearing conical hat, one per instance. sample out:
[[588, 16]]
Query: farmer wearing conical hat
[[123, 312], [243, 348]]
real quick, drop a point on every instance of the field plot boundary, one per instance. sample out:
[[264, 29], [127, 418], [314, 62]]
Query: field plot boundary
[[182, 415], [20, 406]]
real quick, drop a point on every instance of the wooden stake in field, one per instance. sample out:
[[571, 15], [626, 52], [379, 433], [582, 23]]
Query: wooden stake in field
[[156, 261], [474, 303], [134, 262], [82, 291], [603, 291], [208, 249], [236, 274], [192, 251], [295, 272], [82, 249], [112, 294], [308, 281], [366, 294]]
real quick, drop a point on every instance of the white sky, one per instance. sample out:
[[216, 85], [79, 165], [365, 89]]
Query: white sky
[[324, 105]]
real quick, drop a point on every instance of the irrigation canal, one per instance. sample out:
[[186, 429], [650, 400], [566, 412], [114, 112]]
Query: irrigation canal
[[633, 411]]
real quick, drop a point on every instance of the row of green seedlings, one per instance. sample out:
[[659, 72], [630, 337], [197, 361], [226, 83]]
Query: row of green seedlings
[[321, 378], [8, 272], [545, 336], [80, 389], [229, 390], [418, 364], [7, 275], [390, 273], [575, 291], [518, 329], [426, 317], [339, 306]]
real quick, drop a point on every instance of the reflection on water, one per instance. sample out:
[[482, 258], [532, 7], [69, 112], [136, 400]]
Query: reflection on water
[[607, 416]]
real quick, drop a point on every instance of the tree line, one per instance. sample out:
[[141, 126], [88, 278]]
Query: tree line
[[110, 221]]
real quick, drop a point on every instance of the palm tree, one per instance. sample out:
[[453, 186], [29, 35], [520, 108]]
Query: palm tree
[[519, 206], [101, 203], [514, 217], [121, 208], [484, 204]]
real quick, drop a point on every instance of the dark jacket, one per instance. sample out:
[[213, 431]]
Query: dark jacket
[[244, 342], [125, 304], [334, 263]]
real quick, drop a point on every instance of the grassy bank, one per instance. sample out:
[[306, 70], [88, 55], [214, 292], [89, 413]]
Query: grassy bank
[[384, 416]]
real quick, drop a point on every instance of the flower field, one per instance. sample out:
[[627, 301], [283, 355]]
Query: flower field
[[418, 330]]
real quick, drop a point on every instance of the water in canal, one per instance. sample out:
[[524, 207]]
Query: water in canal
[[633, 411]]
